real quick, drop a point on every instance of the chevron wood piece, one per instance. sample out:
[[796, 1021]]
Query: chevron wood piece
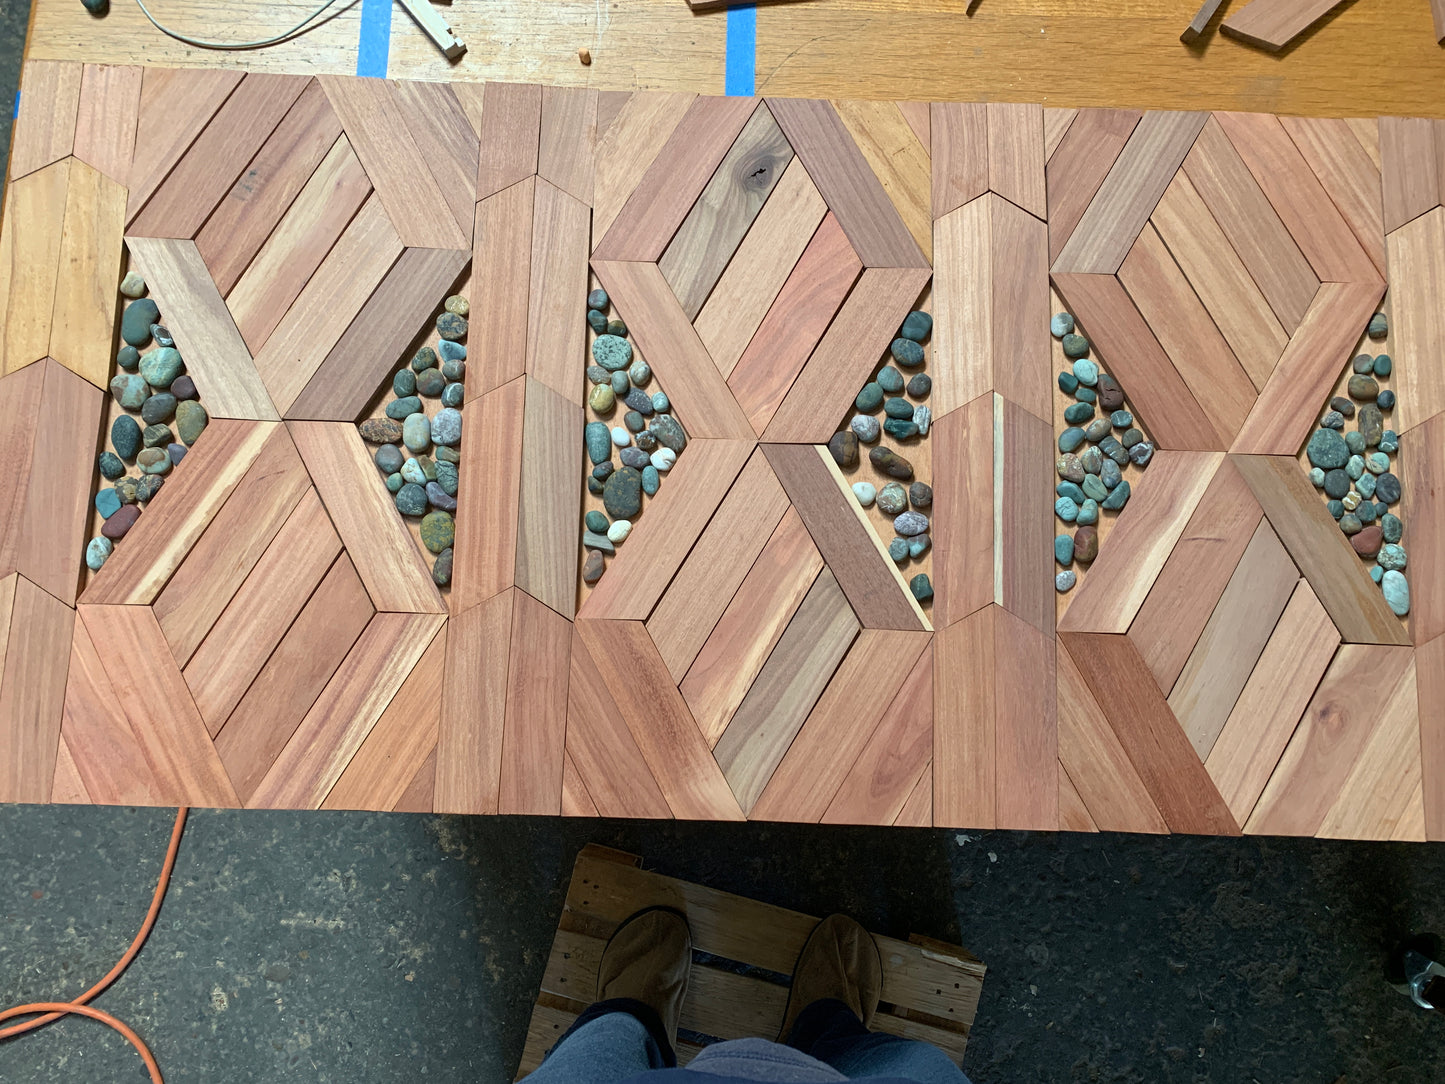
[[1430, 686], [796, 321], [1342, 716], [568, 139], [1382, 797], [1422, 477], [417, 798], [96, 736], [1125, 570], [959, 154], [839, 726], [447, 142], [744, 637], [747, 290], [964, 760], [386, 558], [1097, 766], [20, 398], [31, 237], [106, 118], [150, 690], [313, 649], [964, 554], [1417, 279], [1348, 175], [899, 160], [546, 541], [175, 106], [1253, 227], [306, 233], [511, 129], [484, 558], [846, 354], [631, 143], [1278, 690], [501, 283], [1023, 463], [874, 587], [1128, 194], [1016, 154], [1092, 144], [1409, 171], [1026, 754], [200, 179], [34, 659], [1322, 554], [798, 671], [697, 255], [535, 730], [1273, 24], [1057, 120], [378, 132], [45, 117], [558, 269], [852, 191], [1151, 736], [474, 707], [87, 273], [695, 385], [203, 329]]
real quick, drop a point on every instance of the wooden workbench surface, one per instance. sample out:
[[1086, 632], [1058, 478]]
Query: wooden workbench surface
[[1373, 58]]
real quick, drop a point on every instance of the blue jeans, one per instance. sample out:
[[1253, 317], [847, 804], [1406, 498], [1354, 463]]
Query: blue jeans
[[621, 1040]]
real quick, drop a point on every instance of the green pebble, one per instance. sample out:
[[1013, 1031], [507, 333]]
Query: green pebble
[[454, 395], [899, 408], [403, 383], [453, 327], [597, 321], [916, 326], [1088, 514], [425, 358], [620, 384], [918, 545], [111, 465], [125, 436], [634, 422], [1378, 327], [921, 587], [639, 372], [130, 390], [1354, 441], [1118, 498], [897, 549], [1075, 345], [1382, 365], [448, 455], [1392, 557], [1070, 490], [1392, 527], [612, 352], [900, 429], [890, 380], [1068, 383], [135, 323], [596, 522], [438, 531], [128, 358], [906, 352], [1362, 363], [616, 326], [161, 366], [651, 480], [411, 500], [191, 421], [401, 409], [1078, 413], [660, 402], [1377, 573], [1071, 438], [1095, 488], [1064, 549], [394, 482], [430, 382], [1086, 395], [869, 399]]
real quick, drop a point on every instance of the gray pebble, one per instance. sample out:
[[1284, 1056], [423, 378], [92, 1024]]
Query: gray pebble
[[910, 523]]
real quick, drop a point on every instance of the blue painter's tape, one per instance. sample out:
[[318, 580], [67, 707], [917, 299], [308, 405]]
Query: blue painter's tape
[[374, 48], [17, 104], [742, 50]]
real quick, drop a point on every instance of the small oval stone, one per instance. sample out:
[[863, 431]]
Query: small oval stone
[[451, 326], [602, 399], [892, 499], [634, 422], [1362, 363], [1383, 365], [844, 449], [1396, 591], [1110, 473], [923, 418], [1385, 400], [135, 323], [1387, 488], [1070, 468], [416, 432], [1393, 557], [1068, 383], [128, 358], [1065, 580], [909, 524], [1060, 324], [921, 587], [906, 352], [191, 421], [898, 550], [651, 480], [1071, 438], [920, 494], [1087, 372], [597, 299], [633, 457], [154, 461], [663, 459], [916, 326], [891, 463], [116, 527], [132, 285], [1086, 544], [403, 408], [129, 390], [1350, 524], [96, 551], [1064, 549], [669, 432], [920, 385], [1362, 386], [1088, 513], [1078, 413], [430, 382], [890, 380], [865, 492], [1118, 497], [866, 427], [1075, 345], [1066, 509], [125, 436], [1336, 483], [639, 372], [1070, 490], [612, 352], [1111, 395], [437, 497], [869, 399], [1327, 449]]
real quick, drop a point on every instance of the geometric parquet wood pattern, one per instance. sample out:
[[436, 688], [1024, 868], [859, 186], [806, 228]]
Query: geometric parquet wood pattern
[[269, 634]]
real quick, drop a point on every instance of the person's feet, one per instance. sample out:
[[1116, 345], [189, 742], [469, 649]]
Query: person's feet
[[839, 960], [648, 959]]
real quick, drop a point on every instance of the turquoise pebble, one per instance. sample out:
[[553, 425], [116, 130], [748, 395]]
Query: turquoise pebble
[[454, 395], [639, 372], [596, 522], [869, 399], [107, 503], [1066, 509], [1396, 591], [1070, 438], [1121, 419], [1095, 488], [394, 482], [451, 351], [1086, 395], [890, 380], [1078, 413], [1070, 490], [1060, 324], [97, 551], [1382, 365], [1392, 557], [1064, 548], [1087, 372], [1068, 383], [651, 479], [921, 587], [916, 326], [898, 550], [918, 545], [1355, 466], [612, 352], [1088, 514], [1377, 573], [403, 383], [1118, 498], [1392, 527], [1354, 441], [660, 402]]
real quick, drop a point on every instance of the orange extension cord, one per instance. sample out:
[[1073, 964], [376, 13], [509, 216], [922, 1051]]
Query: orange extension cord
[[54, 1010]]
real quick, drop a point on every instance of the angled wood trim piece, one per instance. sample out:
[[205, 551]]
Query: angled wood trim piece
[[576, 802], [917, 116], [1023, 551], [672, 182], [1026, 749], [1284, 414], [304, 236], [1073, 814], [1242, 623], [1129, 350], [1430, 682], [1322, 554], [1421, 465], [963, 722], [175, 518], [917, 811], [500, 286], [1142, 539], [1382, 796], [602, 749], [629, 146], [327, 305], [963, 306], [1342, 715], [258, 200], [798, 671], [34, 662], [402, 742], [1016, 154], [1057, 121], [716, 566], [474, 707], [417, 798], [556, 339], [1127, 196], [106, 118], [31, 236], [232, 543], [796, 320], [150, 690], [1417, 317], [1306, 210], [758, 270], [671, 745], [872, 582], [1272, 701], [446, 140], [484, 558], [848, 351], [1347, 174], [699, 253], [1252, 225], [1151, 736], [1273, 24], [663, 537], [535, 730], [366, 518], [175, 106], [1195, 30], [203, 329], [200, 179], [96, 734], [511, 124], [345, 712], [1079, 165], [1220, 279], [88, 272], [568, 140], [901, 162], [847, 184], [609, 105], [378, 132], [959, 154], [1186, 332], [697, 389], [1097, 765], [549, 503], [840, 725], [743, 638], [47, 106], [1194, 575], [896, 757], [963, 511]]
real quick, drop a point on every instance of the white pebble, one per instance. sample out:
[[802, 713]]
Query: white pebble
[[619, 530], [663, 459], [1065, 580], [621, 437], [865, 492], [923, 418]]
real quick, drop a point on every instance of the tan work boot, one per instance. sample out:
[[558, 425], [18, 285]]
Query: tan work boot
[[648, 960], [839, 960]]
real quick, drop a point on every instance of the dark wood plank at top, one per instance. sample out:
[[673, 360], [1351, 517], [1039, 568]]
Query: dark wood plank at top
[[849, 187]]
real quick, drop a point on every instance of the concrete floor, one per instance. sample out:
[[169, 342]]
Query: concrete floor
[[354, 947]]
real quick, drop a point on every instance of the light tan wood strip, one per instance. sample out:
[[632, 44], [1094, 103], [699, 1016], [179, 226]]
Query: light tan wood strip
[[963, 487], [1073, 814], [21, 394], [964, 769], [962, 355], [88, 273], [31, 237], [448, 144], [484, 558], [1016, 154], [633, 141], [1057, 121], [1382, 793], [47, 106], [36, 659], [500, 287], [106, 118], [959, 154], [556, 339], [901, 163], [1421, 467], [1347, 174], [917, 811], [175, 106], [535, 731], [474, 707], [1430, 681], [96, 733], [1026, 748], [510, 126], [568, 139], [917, 116], [1417, 316], [576, 802]]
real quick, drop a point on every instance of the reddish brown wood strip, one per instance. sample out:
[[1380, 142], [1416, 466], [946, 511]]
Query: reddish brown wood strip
[[963, 486], [511, 123], [449, 145], [34, 660], [546, 557], [45, 118], [175, 106], [500, 285], [568, 140], [1347, 174], [474, 707], [485, 555], [1430, 682], [1026, 746], [963, 723], [959, 153], [535, 730], [1024, 549], [1080, 164], [1016, 154], [97, 735], [106, 119], [1422, 477], [558, 267], [1273, 24]]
